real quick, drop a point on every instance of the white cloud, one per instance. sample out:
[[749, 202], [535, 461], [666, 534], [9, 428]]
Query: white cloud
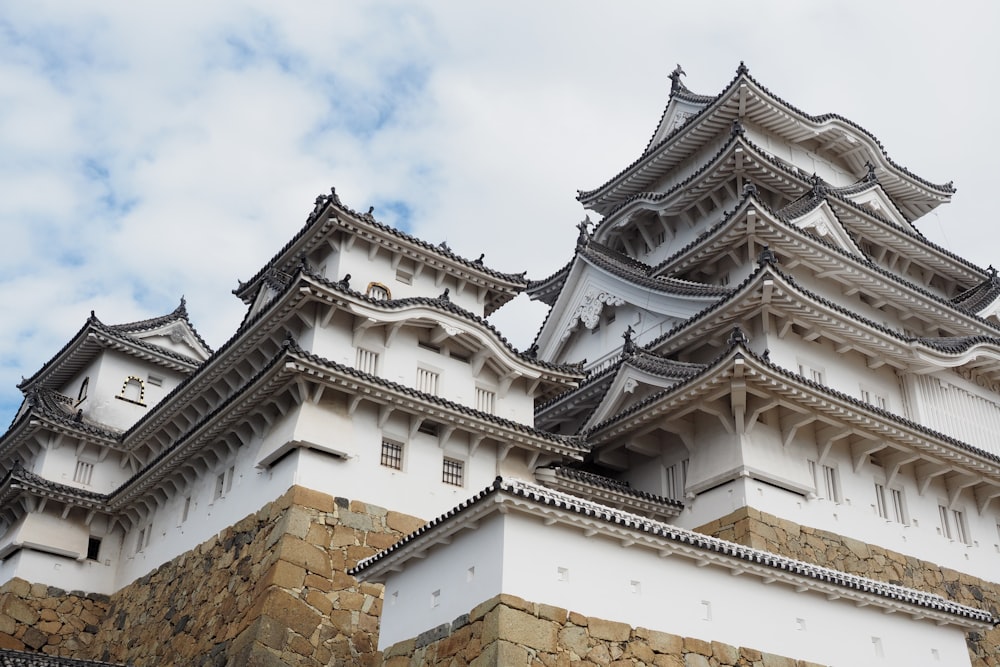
[[149, 151]]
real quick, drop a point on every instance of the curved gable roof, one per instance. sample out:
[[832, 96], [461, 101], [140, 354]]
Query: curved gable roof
[[94, 335]]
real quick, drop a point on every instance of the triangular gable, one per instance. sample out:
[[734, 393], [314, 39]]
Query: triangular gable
[[823, 222], [630, 387], [177, 336], [876, 200]]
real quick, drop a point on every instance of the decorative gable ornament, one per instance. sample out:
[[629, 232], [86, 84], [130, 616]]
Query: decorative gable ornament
[[590, 308]]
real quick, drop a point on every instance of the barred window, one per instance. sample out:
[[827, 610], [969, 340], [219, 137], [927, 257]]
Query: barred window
[[367, 361], [486, 400], [453, 472], [392, 455], [83, 473], [427, 381]]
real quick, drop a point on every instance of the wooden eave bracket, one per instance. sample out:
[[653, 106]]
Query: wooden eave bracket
[[984, 494], [863, 449], [361, 325], [957, 483]]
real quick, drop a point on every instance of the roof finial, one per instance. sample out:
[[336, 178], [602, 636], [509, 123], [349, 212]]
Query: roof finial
[[479, 260], [345, 282], [993, 273], [737, 128], [583, 226], [444, 295], [738, 337], [628, 349], [870, 177], [766, 256], [675, 78], [444, 246], [334, 197], [742, 69], [749, 189], [818, 187]]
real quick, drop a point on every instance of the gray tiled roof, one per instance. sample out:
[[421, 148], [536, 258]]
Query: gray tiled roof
[[10, 658], [700, 541], [710, 103]]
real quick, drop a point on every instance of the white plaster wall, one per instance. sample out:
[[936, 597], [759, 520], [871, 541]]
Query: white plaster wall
[[37, 529], [598, 577], [364, 271], [58, 464], [106, 384], [855, 515], [399, 363], [66, 573], [463, 574], [832, 173], [251, 489]]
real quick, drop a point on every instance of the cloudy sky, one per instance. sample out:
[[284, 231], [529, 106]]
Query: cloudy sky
[[154, 150]]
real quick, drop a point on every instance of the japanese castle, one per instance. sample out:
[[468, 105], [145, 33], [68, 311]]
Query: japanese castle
[[759, 425]]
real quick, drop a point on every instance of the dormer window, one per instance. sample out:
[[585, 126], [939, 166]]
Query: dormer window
[[378, 291]]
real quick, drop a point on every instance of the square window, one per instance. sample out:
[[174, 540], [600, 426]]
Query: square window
[[392, 455], [453, 472]]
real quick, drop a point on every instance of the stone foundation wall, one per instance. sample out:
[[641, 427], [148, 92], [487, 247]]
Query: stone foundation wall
[[765, 531], [507, 631], [270, 590], [35, 617]]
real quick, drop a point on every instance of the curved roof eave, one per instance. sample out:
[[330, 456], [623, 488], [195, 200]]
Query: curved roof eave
[[330, 212], [730, 221]]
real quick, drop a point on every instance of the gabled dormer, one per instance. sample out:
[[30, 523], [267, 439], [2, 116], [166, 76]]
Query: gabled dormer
[[113, 374], [603, 294]]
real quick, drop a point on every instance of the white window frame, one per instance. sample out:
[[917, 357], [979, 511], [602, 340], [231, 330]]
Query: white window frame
[[827, 481], [812, 372], [486, 400], [873, 398], [366, 361], [83, 473], [428, 380], [891, 506]]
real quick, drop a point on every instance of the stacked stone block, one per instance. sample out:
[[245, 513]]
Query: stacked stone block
[[508, 631], [270, 590], [35, 617]]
